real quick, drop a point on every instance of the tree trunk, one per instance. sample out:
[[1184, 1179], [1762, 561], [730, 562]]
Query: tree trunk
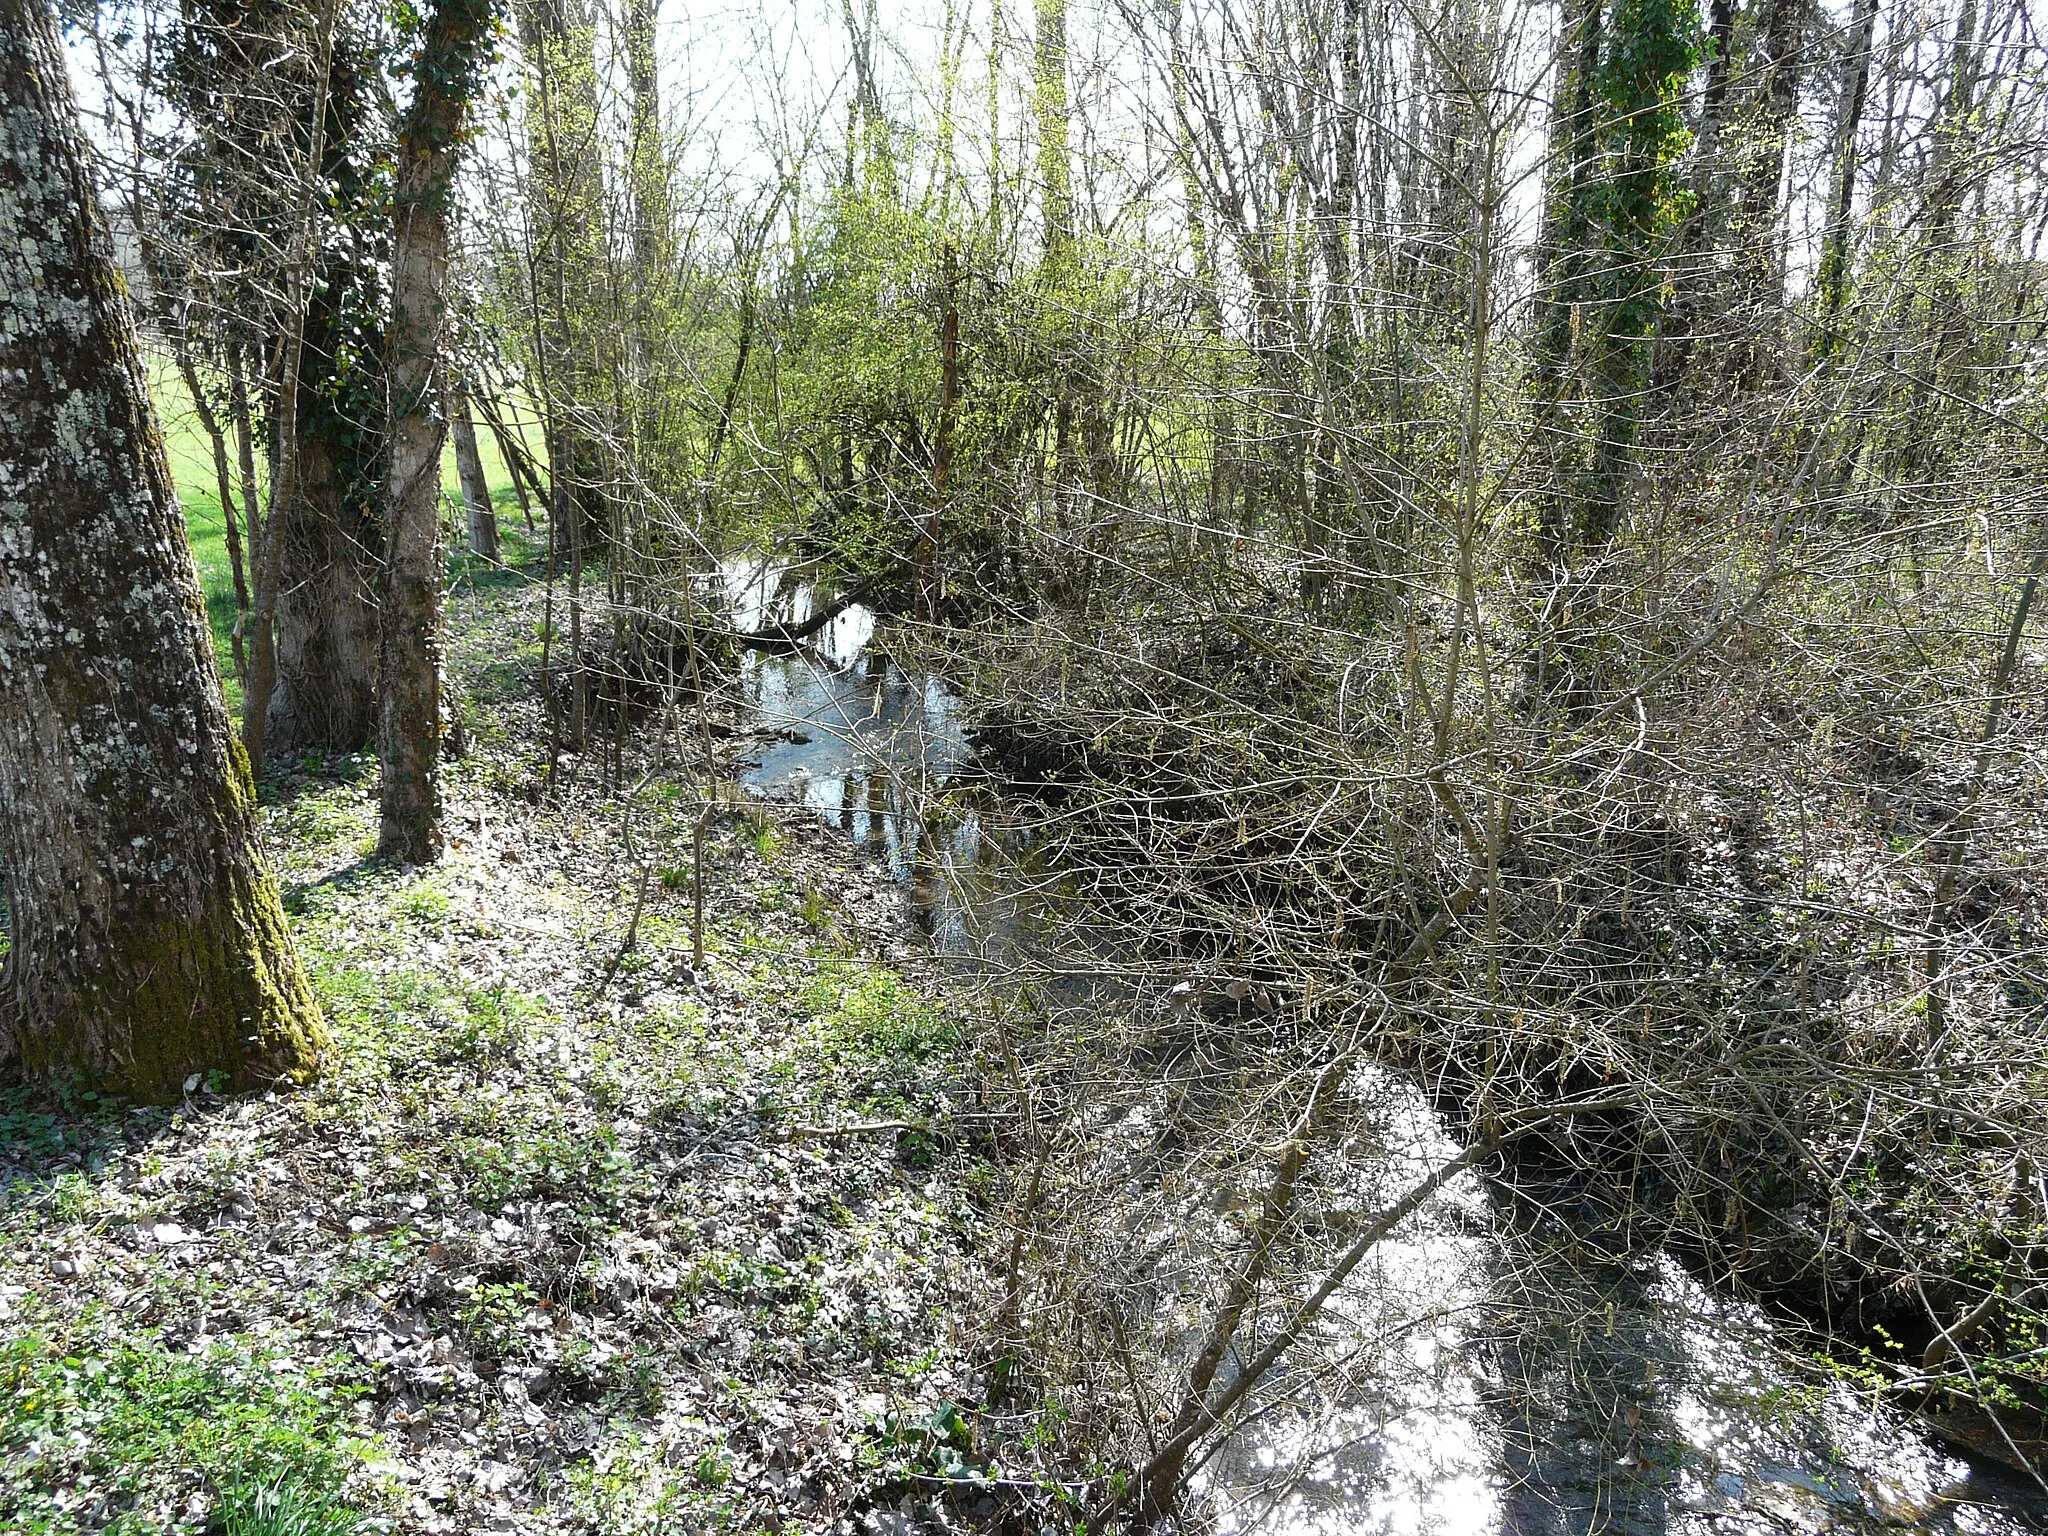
[[469, 464], [245, 457], [1695, 272], [325, 696], [1833, 279], [1652, 49], [1758, 260], [1055, 170], [1563, 290], [565, 201], [451, 57], [652, 262], [266, 544], [1223, 451], [649, 159], [148, 940], [328, 532]]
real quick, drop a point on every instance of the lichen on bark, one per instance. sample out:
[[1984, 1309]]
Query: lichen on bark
[[147, 939]]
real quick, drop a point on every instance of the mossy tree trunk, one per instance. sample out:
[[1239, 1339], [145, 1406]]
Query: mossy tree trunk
[[1758, 247], [252, 247], [148, 940], [1832, 281], [453, 48], [330, 536], [1563, 264]]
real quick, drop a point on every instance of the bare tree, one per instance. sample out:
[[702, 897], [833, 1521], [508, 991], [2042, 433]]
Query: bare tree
[[469, 465]]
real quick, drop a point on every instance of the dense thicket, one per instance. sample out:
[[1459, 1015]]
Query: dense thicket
[[1513, 532]]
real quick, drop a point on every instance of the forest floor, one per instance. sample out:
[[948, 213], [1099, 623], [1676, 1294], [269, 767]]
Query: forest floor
[[572, 1235]]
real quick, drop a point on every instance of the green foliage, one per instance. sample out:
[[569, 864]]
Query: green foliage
[[941, 1444], [541, 1163], [1616, 204], [281, 1508], [815, 908], [1651, 49], [631, 1489], [860, 382], [493, 1318], [491, 1023], [454, 43], [869, 1011], [761, 830], [136, 1427], [423, 903]]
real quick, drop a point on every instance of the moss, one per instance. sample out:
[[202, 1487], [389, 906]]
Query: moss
[[239, 1001], [179, 997], [224, 992], [176, 991]]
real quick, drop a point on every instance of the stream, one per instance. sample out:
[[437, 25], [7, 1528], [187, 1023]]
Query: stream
[[1478, 1374]]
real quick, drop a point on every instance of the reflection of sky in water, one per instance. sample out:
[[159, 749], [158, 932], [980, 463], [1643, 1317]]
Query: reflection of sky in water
[[1387, 1433], [1478, 1374], [871, 749], [1481, 1373]]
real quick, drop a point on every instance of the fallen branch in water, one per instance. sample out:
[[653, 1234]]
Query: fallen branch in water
[[786, 637]]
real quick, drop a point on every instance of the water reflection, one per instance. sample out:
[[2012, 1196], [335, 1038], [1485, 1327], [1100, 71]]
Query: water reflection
[[1500, 1375], [883, 756], [1388, 1429], [1486, 1370], [876, 752]]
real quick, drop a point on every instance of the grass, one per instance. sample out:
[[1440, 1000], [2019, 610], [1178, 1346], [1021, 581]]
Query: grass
[[281, 1509], [869, 1008]]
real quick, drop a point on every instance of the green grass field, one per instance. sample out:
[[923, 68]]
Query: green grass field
[[192, 469]]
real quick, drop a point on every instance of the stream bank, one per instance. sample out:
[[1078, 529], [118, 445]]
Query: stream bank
[[1500, 1367], [579, 1237], [574, 1235]]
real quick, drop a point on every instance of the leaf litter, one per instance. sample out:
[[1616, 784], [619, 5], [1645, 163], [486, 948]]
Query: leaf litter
[[548, 1248]]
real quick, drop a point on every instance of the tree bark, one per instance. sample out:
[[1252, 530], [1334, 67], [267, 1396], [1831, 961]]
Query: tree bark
[[266, 544], [326, 626], [565, 199], [148, 940], [652, 264], [1049, 107], [1695, 274], [447, 71], [245, 456], [1779, 45], [476, 487], [1563, 290], [329, 533]]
